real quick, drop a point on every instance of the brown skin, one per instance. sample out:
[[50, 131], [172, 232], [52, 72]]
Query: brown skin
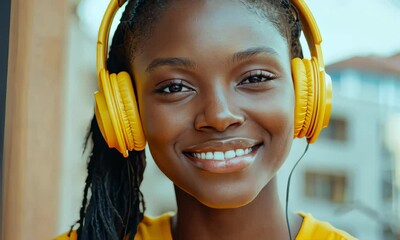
[[216, 101]]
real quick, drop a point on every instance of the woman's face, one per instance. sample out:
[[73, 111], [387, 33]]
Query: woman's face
[[216, 99]]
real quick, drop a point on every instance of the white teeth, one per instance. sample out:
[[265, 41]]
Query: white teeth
[[219, 156], [222, 155], [230, 154], [239, 152]]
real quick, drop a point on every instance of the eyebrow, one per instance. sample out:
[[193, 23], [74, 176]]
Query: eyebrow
[[186, 63], [172, 62], [250, 52]]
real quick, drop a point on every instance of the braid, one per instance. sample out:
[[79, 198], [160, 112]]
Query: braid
[[113, 205], [116, 204]]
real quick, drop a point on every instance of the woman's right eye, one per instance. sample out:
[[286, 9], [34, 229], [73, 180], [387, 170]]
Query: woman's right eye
[[173, 87]]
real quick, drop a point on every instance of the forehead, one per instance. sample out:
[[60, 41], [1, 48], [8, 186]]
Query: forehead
[[209, 26]]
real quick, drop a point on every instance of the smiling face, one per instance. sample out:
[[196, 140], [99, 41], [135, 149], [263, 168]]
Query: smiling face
[[216, 99]]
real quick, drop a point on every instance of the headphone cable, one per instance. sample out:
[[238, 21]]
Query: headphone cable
[[288, 187]]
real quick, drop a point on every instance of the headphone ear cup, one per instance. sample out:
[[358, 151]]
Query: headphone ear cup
[[304, 85], [128, 112], [323, 102], [107, 115], [116, 113]]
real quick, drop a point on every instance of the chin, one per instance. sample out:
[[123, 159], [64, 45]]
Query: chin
[[228, 199]]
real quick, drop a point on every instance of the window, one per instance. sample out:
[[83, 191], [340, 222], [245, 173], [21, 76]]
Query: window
[[387, 187], [389, 234], [337, 129], [326, 186]]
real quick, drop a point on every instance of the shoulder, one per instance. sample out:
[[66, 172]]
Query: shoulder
[[67, 236], [150, 228], [155, 228], [312, 228]]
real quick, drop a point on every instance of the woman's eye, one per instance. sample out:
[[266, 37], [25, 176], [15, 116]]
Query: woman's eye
[[256, 77], [173, 87]]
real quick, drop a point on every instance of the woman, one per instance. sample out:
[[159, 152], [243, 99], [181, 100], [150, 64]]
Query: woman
[[214, 86]]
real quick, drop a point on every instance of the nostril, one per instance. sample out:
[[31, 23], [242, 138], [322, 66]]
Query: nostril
[[218, 123], [217, 112]]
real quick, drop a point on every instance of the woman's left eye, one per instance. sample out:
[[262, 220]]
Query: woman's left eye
[[256, 77]]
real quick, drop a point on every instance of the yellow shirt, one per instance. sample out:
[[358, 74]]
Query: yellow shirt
[[159, 229], [312, 229]]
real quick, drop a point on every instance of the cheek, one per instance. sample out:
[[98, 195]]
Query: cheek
[[164, 125], [277, 121], [157, 125], [160, 132], [156, 120], [162, 122], [275, 113]]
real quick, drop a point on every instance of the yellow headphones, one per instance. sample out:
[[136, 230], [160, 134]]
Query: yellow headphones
[[117, 112], [312, 86]]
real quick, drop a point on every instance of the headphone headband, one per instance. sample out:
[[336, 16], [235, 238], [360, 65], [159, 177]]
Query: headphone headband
[[104, 31], [311, 32]]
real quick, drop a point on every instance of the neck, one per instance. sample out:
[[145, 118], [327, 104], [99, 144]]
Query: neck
[[262, 217]]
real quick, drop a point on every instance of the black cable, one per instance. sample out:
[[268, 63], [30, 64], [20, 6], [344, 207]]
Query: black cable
[[288, 187]]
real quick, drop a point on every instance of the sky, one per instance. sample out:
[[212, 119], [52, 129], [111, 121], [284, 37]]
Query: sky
[[357, 27], [348, 27]]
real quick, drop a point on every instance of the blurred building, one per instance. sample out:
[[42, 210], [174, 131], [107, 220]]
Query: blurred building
[[351, 176]]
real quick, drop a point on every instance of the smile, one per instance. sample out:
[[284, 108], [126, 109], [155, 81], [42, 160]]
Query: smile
[[220, 156], [226, 156]]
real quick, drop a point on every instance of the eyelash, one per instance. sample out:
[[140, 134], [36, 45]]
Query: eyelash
[[262, 76], [163, 88]]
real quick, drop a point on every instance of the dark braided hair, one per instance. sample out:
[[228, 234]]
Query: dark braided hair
[[113, 205]]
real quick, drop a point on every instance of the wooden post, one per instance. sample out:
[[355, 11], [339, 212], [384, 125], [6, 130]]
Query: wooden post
[[34, 115]]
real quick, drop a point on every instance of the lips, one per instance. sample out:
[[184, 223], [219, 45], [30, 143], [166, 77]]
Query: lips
[[219, 155], [223, 156]]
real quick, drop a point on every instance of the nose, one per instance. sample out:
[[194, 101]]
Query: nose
[[218, 113]]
